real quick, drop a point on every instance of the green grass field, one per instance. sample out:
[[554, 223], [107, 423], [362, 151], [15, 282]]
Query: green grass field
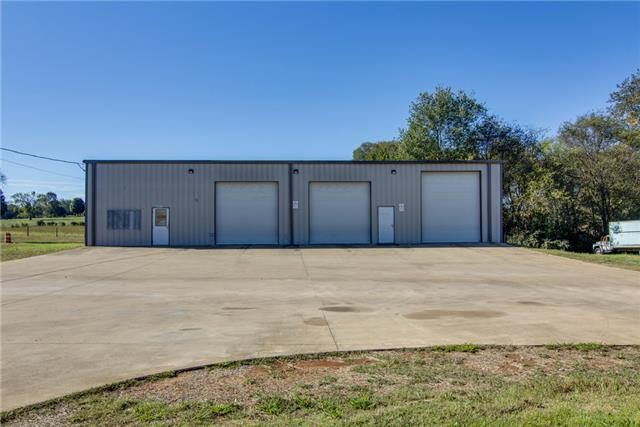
[[25, 250], [566, 385], [7, 223], [628, 261], [39, 240]]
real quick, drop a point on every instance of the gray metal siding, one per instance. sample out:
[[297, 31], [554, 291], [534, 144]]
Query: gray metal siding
[[143, 185], [386, 190], [189, 196]]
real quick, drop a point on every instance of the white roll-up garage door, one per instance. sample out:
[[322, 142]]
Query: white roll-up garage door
[[246, 213], [450, 207], [340, 212]]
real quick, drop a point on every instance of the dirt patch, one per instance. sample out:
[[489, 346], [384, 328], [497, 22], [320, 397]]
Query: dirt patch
[[465, 314], [245, 384], [530, 303], [388, 376], [345, 309], [315, 321], [526, 361]]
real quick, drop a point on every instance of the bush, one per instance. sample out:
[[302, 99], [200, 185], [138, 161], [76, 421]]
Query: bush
[[51, 223], [62, 224], [41, 223], [555, 244]]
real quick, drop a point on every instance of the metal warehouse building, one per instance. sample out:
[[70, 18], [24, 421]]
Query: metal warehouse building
[[213, 203]]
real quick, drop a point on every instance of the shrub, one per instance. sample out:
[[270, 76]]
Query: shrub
[[41, 223], [555, 244]]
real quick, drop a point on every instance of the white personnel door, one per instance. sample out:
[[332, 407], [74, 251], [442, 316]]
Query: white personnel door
[[386, 226], [450, 207], [160, 227]]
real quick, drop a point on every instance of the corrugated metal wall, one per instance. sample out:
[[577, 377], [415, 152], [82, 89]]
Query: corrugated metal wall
[[191, 196]]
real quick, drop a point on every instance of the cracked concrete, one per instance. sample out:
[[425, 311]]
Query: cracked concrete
[[86, 317]]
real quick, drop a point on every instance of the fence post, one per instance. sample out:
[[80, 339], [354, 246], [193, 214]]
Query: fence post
[[27, 230], [56, 231]]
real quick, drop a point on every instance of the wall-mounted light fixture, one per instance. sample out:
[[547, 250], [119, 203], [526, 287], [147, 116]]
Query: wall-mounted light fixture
[[190, 171], [393, 171], [296, 171]]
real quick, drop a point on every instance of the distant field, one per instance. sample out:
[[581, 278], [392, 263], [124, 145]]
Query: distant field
[[628, 261], [34, 240], [34, 222]]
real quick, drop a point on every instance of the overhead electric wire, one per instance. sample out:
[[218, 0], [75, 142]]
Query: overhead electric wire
[[43, 157], [41, 170]]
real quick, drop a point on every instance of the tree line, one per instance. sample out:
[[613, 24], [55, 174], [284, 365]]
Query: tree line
[[559, 192], [32, 205]]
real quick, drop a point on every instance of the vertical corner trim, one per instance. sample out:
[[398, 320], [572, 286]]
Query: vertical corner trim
[[489, 205], [94, 166]]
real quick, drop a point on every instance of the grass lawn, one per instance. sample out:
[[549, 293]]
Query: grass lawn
[[39, 240], [571, 385], [628, 261], [13, 251]]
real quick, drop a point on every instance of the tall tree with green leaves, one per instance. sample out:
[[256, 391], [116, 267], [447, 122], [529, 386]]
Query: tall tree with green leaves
[[26, 202], [601, 169], [77, 206], [442, 125], [624, 104], [381, 150]]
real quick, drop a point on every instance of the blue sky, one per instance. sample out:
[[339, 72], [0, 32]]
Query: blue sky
[[118, 80]]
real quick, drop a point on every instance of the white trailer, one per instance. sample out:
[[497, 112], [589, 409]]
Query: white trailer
[[624, 236]]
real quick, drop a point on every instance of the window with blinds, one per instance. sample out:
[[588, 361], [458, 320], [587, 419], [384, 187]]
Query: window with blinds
[[124, 219]]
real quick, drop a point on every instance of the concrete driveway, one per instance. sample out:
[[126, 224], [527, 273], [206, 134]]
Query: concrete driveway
[[90, 316]]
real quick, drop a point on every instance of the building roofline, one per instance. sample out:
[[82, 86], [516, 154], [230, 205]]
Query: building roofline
[[284, 162]]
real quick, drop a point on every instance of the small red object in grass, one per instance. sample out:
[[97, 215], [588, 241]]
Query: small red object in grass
[[7, 237]]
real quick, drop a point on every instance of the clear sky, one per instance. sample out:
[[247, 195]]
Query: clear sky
[[118, 80]]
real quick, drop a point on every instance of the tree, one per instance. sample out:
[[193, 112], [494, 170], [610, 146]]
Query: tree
[[3, 204], [602, 171], [624, 104], [26, 203], [382, 150], [49, 205], [442, 126], [77, 206]]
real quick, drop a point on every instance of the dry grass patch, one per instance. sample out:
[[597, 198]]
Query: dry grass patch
[[558, 385]]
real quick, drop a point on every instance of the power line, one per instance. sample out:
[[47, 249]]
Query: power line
[[43, 157], [41, 170]]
